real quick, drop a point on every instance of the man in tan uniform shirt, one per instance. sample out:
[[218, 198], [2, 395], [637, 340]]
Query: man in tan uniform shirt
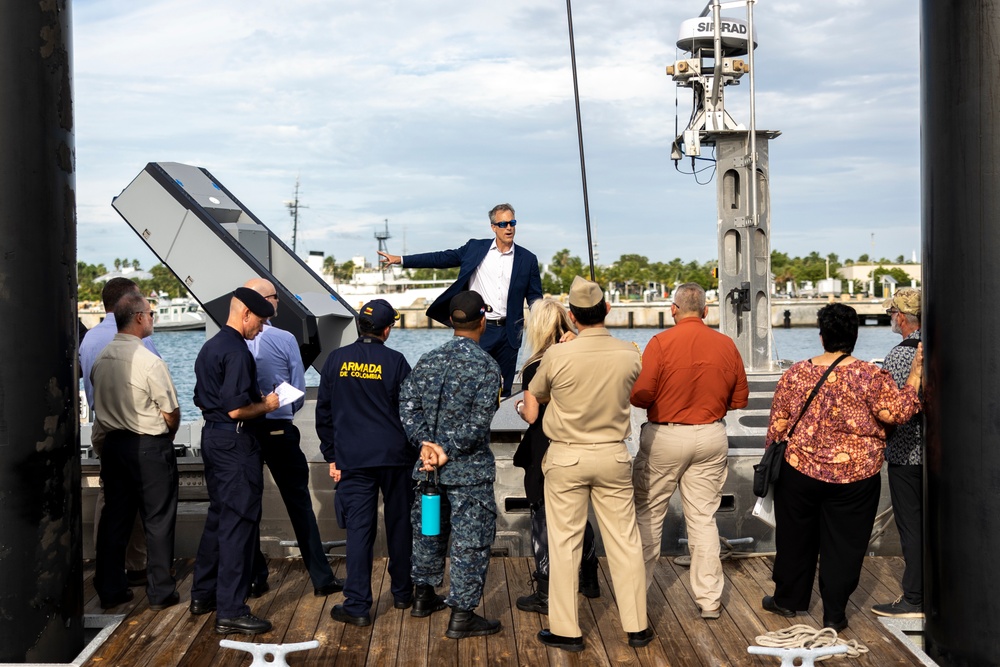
[[587, 383], [137, 417]]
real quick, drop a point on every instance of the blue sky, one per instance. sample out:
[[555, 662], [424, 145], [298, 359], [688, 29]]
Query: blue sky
[[430, 113]]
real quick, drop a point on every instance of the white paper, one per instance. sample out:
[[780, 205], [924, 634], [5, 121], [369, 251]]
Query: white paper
[[764, 508], [287, 394]]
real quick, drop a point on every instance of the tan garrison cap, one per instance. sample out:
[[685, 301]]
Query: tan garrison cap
[[584, 294], [906, 300]]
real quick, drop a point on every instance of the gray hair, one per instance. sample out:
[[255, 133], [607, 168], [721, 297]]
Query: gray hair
[[690, 298], [500, 207]]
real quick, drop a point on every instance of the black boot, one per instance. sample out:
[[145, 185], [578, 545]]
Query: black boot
[[426, 601], [469, 624], [539, 600], [590, 585]]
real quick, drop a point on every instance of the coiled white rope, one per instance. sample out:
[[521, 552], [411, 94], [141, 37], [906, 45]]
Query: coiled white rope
[[806, 636]]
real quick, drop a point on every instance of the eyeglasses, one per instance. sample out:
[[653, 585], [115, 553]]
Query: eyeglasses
[[891, 311], [272, 296], [148, 312], [503, 225]]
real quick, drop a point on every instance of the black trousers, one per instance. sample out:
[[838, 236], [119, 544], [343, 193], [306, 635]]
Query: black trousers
[[139, 473], [831, 522], [906, 487], [279, 445], [235, 481], [356, 504], [540, 543]]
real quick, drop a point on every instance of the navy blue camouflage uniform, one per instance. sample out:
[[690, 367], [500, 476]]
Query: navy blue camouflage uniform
[[450, 399], [357, 420]]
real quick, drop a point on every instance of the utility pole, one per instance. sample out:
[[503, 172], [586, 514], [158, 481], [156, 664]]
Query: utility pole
[[293, 210]]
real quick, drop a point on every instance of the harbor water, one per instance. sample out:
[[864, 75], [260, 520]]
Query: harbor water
[[180, 349]]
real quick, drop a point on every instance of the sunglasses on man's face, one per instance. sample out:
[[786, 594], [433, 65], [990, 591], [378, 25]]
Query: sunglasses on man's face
[[503, 225]]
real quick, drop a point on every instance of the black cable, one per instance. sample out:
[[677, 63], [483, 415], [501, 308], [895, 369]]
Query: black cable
[[579, 132]]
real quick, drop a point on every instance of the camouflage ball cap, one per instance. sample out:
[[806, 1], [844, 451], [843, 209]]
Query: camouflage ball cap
[[905, 300]]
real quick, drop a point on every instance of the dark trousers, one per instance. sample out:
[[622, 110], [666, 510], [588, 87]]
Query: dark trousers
[[356, 505], [224, 564], [494, 342], [279, 446], [818, 519], [139, 473], [906, 487], [540, 543]]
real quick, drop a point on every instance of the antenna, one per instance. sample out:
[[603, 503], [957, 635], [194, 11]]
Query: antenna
[[293, 210], [382, 237]]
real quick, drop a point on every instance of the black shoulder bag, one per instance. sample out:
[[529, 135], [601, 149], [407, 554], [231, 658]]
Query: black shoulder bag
[[766, 472]]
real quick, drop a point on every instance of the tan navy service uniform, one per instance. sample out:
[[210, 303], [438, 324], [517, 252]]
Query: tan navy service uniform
[[588, 381]]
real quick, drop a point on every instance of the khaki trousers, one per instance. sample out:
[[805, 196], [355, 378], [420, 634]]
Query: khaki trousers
[[696, 459], [575, 476]]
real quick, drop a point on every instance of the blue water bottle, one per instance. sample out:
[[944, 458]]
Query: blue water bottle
[[430, 506]]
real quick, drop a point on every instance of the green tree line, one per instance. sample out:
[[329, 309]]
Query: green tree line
[[89, 289]]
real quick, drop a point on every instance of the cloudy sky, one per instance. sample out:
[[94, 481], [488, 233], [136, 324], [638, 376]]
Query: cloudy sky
[[428, 113]]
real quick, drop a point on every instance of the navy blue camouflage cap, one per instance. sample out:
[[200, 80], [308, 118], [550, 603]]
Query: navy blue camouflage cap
[[468, 307], [379, 313]]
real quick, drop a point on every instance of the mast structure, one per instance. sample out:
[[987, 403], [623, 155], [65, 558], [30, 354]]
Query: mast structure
[[712, 44], [293, 210], [382, 237]]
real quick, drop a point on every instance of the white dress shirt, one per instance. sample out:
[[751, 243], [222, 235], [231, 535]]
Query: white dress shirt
[[492, 279]]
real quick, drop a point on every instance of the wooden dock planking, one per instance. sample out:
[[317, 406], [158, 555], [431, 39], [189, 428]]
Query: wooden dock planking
[[524, 625], [683, 638]]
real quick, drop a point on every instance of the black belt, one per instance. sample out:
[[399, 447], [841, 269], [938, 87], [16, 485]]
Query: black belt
[[236, 427], [497, 323]]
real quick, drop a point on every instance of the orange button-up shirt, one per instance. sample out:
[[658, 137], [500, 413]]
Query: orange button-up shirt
[[691, 374]]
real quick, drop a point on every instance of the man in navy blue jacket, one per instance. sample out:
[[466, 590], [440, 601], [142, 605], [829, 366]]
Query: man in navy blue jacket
[[505, 276], [361, 437]]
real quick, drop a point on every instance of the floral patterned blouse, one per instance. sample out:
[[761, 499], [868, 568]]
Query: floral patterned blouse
[[841, 437]]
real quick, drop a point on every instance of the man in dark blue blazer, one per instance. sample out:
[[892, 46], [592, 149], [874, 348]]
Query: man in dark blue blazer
[[503, 275]]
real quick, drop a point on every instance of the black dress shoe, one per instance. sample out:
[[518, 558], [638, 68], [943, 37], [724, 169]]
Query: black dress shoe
[[640, 638], [571, 644], [169, 601], [426, 601], [136, 577], [334, 586], [199, 607], [246, 625], [465, 623], [770, 605], [402, 604], [339, 614], [258, 588], [836, 625], [121, 598]]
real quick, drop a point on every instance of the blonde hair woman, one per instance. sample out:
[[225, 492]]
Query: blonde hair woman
[[548, 324]]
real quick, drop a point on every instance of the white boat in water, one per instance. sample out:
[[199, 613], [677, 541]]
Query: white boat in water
[[179, 315], [369, 283]]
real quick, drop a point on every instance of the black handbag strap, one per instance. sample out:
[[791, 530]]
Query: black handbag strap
[[815, 391]]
